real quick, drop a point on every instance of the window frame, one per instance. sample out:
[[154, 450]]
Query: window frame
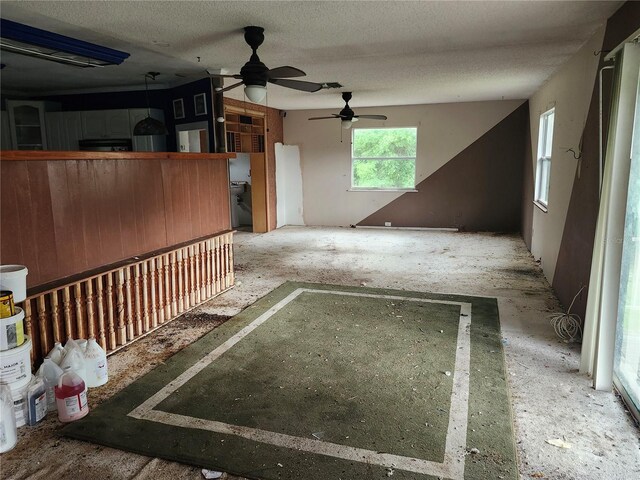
[[354, 188], [543, 162]]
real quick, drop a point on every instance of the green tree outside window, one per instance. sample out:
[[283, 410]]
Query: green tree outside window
[[384, 158]]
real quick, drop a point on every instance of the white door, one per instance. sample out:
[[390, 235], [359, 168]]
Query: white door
[[289, 197]]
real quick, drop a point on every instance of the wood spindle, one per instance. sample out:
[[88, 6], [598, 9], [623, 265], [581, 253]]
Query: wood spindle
[[191, 275], [146, 319], [112, 313], [196, 273], [167, 287], [129, 302], [81, 331], [102, 334], [45, 341], [217, 259], [208, 270], [66, 310], [58, 328], [137, 299], [173, 265], [232, 274], [203, 271], [227, 282], [91, 322], [28, 326], [121, 333], [152, 291], [180, 284], [161, 285]]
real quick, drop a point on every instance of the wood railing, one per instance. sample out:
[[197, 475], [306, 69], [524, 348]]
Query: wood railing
[[121, 305]]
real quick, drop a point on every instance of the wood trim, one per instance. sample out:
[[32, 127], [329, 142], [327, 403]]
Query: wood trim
[[76, 155]]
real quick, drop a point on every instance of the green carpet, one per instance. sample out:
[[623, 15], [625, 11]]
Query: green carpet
[[328, 382]]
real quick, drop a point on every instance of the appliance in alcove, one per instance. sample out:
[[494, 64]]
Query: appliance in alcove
[[240, 191]]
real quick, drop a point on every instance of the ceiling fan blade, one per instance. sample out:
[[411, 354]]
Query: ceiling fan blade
[[372, 117], [322, 118], [229, 87], [297, 84], [285, 72]]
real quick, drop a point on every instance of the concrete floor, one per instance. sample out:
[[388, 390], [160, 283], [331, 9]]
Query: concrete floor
[[550, 398]]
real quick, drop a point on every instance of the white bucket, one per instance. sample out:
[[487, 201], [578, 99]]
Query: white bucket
[[14, 278], [12, 330], [20, 403], [15, 365]]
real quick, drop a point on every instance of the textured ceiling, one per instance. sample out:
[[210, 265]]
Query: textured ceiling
[[386, 52]]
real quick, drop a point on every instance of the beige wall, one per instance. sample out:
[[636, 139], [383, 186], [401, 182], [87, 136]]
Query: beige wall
[[569, 90], [444, 130]]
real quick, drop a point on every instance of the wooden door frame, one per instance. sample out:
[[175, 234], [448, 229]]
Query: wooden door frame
[[265, 182]]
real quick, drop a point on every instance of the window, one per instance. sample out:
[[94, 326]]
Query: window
[[543, 170], [383, 158]]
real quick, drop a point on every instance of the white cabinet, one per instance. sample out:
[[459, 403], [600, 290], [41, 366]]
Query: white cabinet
[[147, 143], [64, 130], [27, 125], [5, 131], [105, 124]]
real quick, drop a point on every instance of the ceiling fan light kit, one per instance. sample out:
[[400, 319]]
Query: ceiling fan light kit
[[255, 93]]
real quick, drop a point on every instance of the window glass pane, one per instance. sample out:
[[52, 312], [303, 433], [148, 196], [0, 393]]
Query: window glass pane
[[384, 142], [372, 173], [548, 141], [627, 349]]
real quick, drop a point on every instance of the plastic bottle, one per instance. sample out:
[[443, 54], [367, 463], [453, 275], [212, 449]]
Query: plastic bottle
[[8, 430], [71, 397], [57, 353], [36, 401], [50, 373], [96, 364], [75, 359]]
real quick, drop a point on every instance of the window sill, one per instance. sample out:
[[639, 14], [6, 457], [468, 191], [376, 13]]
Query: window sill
[[403, 190], [541, 206]]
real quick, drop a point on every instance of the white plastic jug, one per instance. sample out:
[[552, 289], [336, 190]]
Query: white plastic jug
[[50, 372], [57, 353], [8, 430], [96, 364], [75, 360]]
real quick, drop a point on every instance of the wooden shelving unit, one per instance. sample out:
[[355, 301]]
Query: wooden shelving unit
[[245, 133]]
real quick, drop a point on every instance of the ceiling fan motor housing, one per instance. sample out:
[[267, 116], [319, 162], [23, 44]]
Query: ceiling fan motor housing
[[254, 72]]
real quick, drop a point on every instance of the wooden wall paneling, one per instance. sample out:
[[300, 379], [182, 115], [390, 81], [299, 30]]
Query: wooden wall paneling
[[89, 204], [195, 199], [76, 221], [258, 192], [108, 193], [26, 218], [127, 208], [177, 203], [149, 175], [66, 239], [11, 243], [42, 213]]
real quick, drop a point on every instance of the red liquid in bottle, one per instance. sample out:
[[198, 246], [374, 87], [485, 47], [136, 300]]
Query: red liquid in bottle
[[71, 397]]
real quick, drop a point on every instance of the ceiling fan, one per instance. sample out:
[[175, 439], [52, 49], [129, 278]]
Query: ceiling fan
[[346, 114], [254, 75]]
